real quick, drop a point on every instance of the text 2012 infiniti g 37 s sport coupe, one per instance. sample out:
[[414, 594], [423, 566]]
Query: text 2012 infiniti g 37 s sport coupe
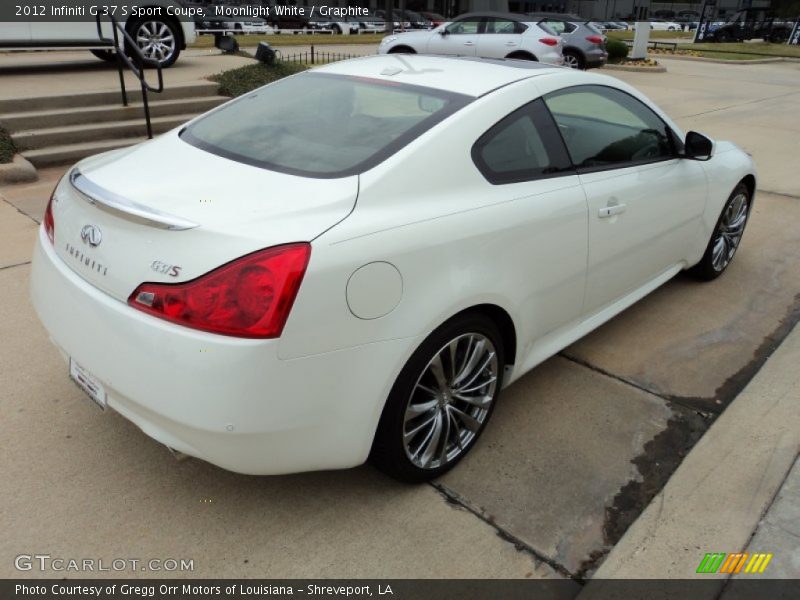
[[394, 240]]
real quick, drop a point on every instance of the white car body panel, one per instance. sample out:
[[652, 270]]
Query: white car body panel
[[485, 45], [51, 33], [312, 398]]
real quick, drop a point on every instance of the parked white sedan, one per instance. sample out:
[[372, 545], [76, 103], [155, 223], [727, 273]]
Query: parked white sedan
[[352, 262], [488, 35]]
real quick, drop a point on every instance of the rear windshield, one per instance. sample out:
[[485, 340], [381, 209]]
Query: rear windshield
[[321, 125]]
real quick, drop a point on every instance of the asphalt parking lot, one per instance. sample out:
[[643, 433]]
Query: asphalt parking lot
[[574, 453]]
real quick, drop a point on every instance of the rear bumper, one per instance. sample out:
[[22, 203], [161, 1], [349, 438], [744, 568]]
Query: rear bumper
[[229, 401], [596, 58]]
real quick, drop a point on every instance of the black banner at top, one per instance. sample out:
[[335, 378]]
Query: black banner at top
[[71, 11]]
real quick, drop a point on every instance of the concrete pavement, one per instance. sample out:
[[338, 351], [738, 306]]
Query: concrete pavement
[[575, 452]]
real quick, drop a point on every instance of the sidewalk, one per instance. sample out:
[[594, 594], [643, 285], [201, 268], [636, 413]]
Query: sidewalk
[[738, 490]]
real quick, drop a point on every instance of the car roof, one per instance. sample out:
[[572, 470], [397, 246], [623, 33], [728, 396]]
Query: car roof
[[558, 16], [470, 76], [501, 15]]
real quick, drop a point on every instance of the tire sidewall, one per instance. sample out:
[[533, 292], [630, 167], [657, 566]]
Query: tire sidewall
[[388, 452], [705, 268]]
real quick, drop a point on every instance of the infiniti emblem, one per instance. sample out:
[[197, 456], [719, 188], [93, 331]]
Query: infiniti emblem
[[91, 235]]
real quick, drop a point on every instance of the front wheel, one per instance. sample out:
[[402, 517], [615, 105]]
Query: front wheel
[[441, 401], [726, 237]]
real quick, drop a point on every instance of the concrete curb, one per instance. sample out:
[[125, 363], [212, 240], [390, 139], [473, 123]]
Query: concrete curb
[[718, 495], [757, 61], [633, 69], [18, 170]]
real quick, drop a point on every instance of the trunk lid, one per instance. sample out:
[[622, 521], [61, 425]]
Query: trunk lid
[[165, 211]]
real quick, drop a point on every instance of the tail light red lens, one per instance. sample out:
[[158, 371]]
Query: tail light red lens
[[549, 41], [249, 297], [49, 222], [594, 39]]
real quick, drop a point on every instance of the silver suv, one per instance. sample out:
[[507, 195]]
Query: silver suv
[[584, 44]]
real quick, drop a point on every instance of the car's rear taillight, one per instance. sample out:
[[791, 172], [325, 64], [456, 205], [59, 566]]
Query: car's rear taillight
[[594, 39], [48, 221], [249, 297], [549, 41]]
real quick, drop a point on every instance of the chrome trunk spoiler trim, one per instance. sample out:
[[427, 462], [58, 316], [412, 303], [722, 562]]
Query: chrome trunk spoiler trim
[[128, 209]]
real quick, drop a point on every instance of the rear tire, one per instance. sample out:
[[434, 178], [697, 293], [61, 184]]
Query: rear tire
[[402, 50], [726, 237], [522, 56], [441, 401], [158, 39], [574, 60]]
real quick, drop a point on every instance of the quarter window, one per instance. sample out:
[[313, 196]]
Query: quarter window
[[604, 127], [504, 26], [521, 147]]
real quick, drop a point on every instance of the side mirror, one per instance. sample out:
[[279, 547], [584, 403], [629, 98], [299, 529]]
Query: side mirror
[[443, 31], [697, 146]]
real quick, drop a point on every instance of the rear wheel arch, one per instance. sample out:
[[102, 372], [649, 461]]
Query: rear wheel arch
[[521, 55], [504, 323]]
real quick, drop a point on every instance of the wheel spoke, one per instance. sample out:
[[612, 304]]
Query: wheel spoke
[[415, 410], [410, 435], [437, 369], [477, 373], [446, 442], [476, 401], [469, 421], [475, 388], [477, 351], [433, 441]]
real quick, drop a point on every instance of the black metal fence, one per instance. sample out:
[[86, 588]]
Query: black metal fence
[[314, 57]]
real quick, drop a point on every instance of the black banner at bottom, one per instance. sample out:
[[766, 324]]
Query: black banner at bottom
[[398, 589]]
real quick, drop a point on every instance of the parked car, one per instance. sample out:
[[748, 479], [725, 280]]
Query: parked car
[[491, 35], [435, 18], [660, 25], [584, 43], [748, 24], [417, 20], [397, 19], [159, 38], [435, 227]]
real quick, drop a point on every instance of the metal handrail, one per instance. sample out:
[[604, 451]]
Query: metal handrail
[[135, 65]]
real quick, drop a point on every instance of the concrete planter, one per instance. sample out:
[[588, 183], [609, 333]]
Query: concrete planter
[[636, 68], [18, 170]]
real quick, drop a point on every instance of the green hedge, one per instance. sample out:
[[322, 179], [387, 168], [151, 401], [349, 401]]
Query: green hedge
[[617, 50], [245, 79], [7, 149]]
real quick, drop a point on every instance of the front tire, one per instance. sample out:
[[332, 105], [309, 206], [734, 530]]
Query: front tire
[[441, 401], [402, 50], [727, 235]]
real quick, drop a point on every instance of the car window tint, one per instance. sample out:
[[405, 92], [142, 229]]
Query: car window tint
[[322, 125], [467, 26], [555, 26], [603, 127], [506, 26], [521, 147]]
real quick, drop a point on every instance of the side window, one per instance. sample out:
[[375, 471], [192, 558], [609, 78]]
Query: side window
[[467, 26], [523, 146], [557, 27], [604, 127], [504, 26]]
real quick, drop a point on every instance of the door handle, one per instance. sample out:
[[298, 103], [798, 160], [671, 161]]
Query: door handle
[[469, 43], [511, 43], [611, 210]]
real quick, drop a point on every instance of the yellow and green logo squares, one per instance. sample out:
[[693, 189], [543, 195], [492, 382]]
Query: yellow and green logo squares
[[739, 562]]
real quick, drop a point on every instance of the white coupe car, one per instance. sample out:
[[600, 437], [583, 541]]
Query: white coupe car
[[352, 262], [488, 35]]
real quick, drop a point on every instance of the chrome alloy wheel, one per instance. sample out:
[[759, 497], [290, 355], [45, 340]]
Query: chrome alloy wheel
[[729, 233], [156, 40], [450, 401], [571, 61]]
